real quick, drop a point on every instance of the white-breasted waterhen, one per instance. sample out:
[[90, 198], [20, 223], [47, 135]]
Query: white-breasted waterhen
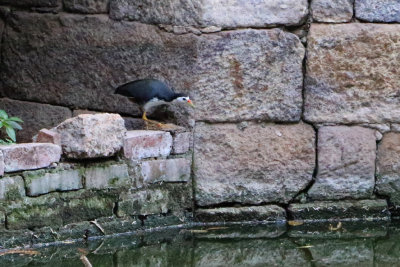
[[148, 93]]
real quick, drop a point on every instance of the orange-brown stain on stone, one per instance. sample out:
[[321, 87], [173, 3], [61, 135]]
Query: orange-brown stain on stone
[[236, 73]]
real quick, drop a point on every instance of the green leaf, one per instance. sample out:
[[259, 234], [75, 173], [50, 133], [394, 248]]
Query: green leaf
[[15, 125], [3, 114], [11, 133], [15, 119], [1, 124]]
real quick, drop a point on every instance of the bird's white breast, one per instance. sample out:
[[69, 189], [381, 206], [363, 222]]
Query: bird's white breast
[[154, 102]]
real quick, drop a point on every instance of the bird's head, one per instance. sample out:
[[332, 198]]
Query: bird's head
[[183, 98]]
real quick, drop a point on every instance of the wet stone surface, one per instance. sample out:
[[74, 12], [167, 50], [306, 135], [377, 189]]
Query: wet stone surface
[[251, 245]]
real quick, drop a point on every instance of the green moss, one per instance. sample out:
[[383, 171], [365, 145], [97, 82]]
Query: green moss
[[13, 193]]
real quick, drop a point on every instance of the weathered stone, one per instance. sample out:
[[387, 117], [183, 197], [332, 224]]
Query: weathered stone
[[262, 81], [12, 188], [35, 116], [56, 209], [102, 48], [256, 213], [241, 82], [29, 156], [181, 143], [166, 170], [1, 164], [388, 167], [170, 198], [352, 73], [31, 3], [255, 164], [346, 163], [378, 10], [103, 176], [345, 209], [233, 14], [332, 11], [91, 135], [146, 144], [47, 136], [86, 6], [42, 182]]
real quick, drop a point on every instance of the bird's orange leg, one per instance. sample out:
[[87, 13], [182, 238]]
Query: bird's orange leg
[[146, 120]]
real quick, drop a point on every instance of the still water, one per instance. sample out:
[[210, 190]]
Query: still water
[[323, 244]]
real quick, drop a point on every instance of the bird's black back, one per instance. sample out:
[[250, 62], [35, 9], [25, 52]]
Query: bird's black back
[[144, 90]]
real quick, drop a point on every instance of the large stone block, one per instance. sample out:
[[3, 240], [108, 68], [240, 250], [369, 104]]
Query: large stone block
[[12, 188], [103, 176], [166, 170], [378, 10], [42, 182], [35, 116], [388, 167], [29, 156], [252, 163], [345, 209], [146, 144], [332, 11], [255, 213], [202, 13], [346, 163], [352, 73], [91, 135], [238, 81], [228, 79], [86, 6]]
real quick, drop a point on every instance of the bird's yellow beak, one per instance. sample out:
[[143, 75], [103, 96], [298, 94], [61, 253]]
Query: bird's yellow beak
[[190, 103]]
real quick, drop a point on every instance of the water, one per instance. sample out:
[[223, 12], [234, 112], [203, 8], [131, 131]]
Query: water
[[324, 244]]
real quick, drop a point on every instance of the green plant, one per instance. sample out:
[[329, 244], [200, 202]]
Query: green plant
[[10, 124]]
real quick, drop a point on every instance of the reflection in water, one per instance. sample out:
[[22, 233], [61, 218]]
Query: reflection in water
[[362, 244]]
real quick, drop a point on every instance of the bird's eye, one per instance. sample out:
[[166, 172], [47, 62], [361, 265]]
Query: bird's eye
[[184, 99]]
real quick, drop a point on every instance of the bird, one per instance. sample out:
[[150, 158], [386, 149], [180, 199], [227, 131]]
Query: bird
[[148, 93]]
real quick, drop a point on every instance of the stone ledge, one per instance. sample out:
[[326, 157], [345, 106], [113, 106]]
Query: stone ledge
[[41, 182], [147, 144], [226, 14], [29, 156], [57, 209], [12, 188], [166, 170], [254, 213], [338, 210], [103, 176]]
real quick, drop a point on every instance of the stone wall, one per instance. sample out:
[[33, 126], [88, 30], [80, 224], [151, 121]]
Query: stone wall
[[298, 103]]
